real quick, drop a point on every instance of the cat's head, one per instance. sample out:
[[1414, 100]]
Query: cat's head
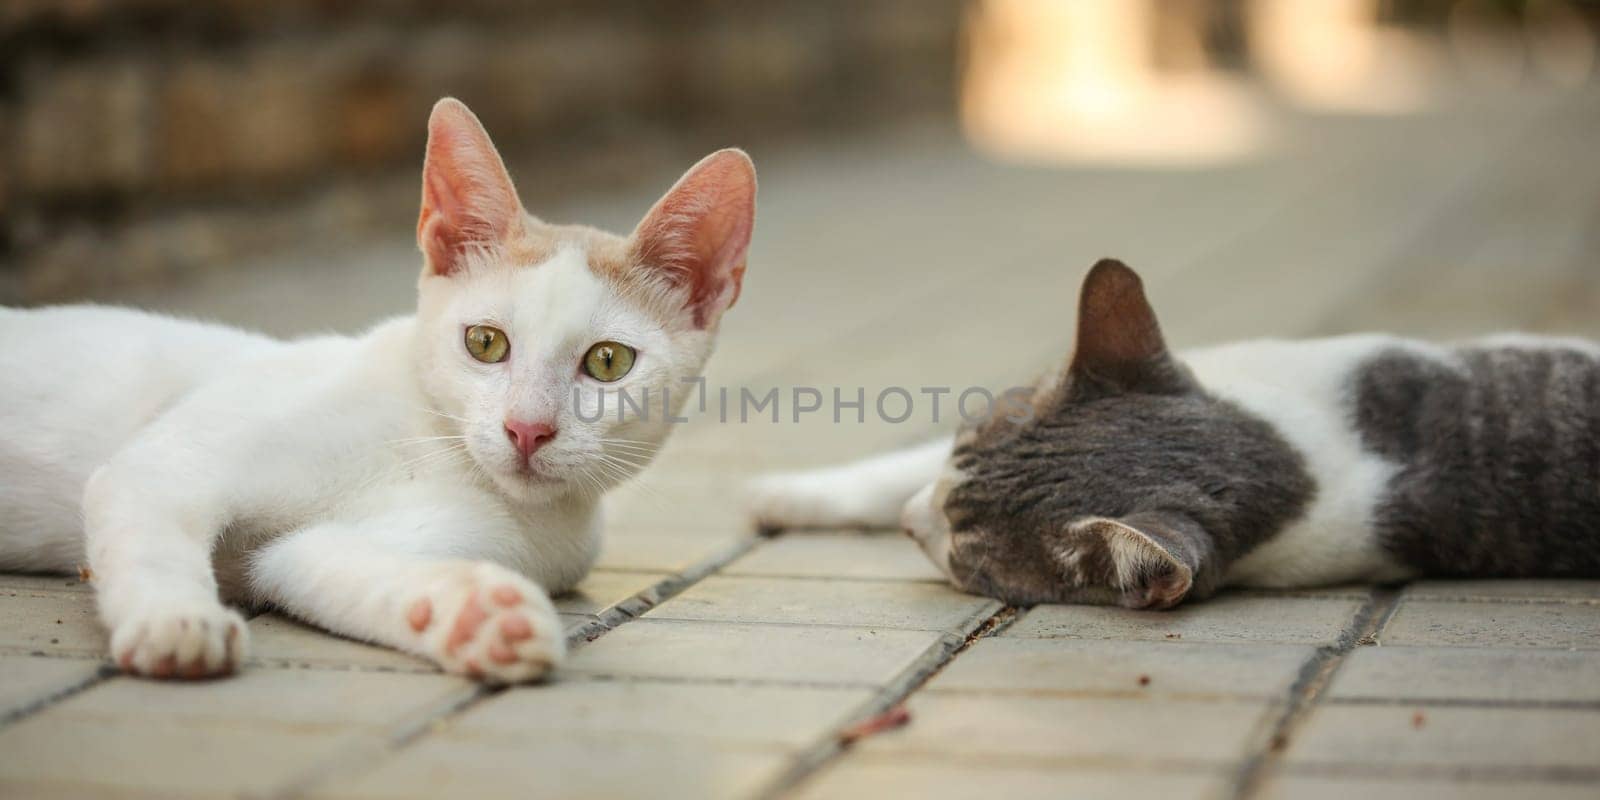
[[523, 324], [1120, 487]]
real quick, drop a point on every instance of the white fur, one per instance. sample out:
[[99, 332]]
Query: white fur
[[921, 519], [867, 494], [325, 476]]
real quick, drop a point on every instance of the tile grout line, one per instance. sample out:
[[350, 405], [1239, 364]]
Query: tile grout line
[[108, 671], [1545, 774], [1457, 702], [671, 586], [105, 672], [1505, 601], [949, 645], [1315, 675], [361, 756]]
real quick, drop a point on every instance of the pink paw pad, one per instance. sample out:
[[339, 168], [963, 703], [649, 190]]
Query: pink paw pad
[[467, 623], [515, 629], [501, 653], [420, 614]]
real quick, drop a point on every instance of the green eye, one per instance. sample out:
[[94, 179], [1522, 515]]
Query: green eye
[[487, 343], [608, 361]]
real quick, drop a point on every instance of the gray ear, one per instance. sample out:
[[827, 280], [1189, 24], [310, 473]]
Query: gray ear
[[1149, 559], [1119, 345]]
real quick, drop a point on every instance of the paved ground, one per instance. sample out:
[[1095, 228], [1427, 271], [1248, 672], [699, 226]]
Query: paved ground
[[710, 663]]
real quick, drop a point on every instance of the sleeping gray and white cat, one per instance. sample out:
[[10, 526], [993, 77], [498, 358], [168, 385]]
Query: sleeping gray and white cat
[[1144, 478], [423, 485]]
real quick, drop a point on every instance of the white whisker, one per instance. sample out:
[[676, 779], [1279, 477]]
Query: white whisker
[[421, 439]]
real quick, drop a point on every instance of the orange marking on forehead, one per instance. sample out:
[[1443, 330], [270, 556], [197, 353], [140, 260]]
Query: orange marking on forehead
[[612, 258], [608, 254]]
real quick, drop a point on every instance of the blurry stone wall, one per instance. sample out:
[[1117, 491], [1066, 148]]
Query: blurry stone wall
[[146, 139]]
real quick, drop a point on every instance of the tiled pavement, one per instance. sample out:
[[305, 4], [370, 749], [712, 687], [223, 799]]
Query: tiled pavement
[[709, 663]]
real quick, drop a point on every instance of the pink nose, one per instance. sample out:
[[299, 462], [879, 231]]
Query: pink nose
[[529, 436]]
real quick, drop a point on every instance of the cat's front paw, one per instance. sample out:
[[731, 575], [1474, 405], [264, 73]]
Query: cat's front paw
[[489, 623], [823, 498], [181, 642]]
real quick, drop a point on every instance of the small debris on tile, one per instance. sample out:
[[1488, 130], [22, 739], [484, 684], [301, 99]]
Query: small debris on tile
[[1418, 720], [1144, 680], [871, 726], [1174, 636], [84, 573]]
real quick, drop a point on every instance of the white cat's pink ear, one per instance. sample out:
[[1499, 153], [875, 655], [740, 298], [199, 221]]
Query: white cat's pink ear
[[467, 197], [698, 234]]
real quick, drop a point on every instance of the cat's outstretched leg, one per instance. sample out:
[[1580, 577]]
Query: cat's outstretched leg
[[149, 534], [863, 494], [365, 580]]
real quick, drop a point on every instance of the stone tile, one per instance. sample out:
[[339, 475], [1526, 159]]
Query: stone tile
[[28, 680], [1588, 591], [731, 651], [655, 550], [243, 734], [1362, 736], [1494, 624], [1468, 673], [54, 623], [703, 510], [810, 601], [815, 554], [736, 714], [860, 775], [1298, 787], [602, 589], [293, 698], [278, 641], [79, 791], [71, 758], [554, 764], [1352, 591], [1074, 730], [1082, 666], [1226, 618], [13, 582]]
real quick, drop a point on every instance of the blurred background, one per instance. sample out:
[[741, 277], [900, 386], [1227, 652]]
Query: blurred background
[[259, 161]]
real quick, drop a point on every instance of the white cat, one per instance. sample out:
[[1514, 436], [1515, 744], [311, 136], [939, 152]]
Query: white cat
[[423, 485]]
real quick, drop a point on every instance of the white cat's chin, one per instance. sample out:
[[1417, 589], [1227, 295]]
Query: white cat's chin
[[530, 487], [540, 482]]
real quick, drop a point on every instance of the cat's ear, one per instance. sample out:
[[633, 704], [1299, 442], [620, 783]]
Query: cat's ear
[[467, 198], [697, 235], [1149, 559], [1119, 345]]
